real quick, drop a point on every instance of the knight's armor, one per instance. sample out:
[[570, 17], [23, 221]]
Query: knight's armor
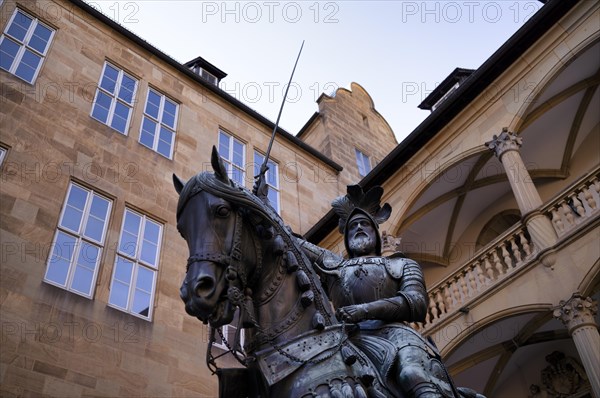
[[381, 294], [394, 290], [395, 280]]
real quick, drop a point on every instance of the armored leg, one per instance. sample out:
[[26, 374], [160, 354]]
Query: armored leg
[[420, 375]]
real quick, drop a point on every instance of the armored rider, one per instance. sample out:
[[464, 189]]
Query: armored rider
[[380, 295]]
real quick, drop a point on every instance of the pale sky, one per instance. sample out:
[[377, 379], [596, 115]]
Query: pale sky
[[397, 50]]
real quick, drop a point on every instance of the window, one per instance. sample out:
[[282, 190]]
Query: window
[[114, 98], [209, 77], [134, 276], [75, 256], [229, 332], [362, 160], [206, 75], [233, 153], [158, 126], [24, 45], [272, 178], [2, 155]]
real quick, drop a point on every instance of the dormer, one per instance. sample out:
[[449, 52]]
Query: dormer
[[445, 89], [206, 70]]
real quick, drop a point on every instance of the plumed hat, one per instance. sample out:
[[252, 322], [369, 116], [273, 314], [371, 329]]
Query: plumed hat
[[357, 201]]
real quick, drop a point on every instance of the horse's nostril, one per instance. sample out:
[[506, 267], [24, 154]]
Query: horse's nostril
[[204, 287]]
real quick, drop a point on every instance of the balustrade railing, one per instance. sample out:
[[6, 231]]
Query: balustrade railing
[[580, 203], [493, 263], [510, 251]]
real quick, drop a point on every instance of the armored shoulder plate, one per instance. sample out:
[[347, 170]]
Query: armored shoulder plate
[[395, 265], [331, 261]]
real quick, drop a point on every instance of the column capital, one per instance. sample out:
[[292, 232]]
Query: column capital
[[505, 141], [577, 311]]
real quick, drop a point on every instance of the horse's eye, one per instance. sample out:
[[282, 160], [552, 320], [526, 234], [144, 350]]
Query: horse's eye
[[223, 211]]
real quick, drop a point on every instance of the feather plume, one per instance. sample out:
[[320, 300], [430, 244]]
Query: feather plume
[[383, 214], [342, 206], [368, 202]]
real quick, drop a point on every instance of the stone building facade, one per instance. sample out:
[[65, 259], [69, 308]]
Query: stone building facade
[[94, 121]]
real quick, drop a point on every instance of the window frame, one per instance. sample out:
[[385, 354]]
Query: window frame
[[3, 153], [80, 238], [24, 44], [137, 263], [159, 123], [272, 188], [114, 97], [229, 164], [360, 162]]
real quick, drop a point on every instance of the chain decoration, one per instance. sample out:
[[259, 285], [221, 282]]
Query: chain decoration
[[292, 357], [243, 198]]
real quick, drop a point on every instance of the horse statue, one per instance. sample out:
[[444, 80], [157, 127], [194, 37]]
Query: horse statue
[[243, 256]]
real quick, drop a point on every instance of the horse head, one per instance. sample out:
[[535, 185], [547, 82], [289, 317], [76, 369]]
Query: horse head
[[241, 254], [211, 217]]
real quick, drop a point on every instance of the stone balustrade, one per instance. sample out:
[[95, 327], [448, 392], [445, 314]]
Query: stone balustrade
[[510, 251], [577, 206], [492, 264]]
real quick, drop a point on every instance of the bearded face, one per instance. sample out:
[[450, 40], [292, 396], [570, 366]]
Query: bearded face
[[361, 236], [361, 245]]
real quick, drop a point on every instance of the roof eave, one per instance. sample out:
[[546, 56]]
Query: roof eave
[[489, 71]]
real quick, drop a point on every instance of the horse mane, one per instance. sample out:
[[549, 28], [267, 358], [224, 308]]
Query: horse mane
[[231, 192]]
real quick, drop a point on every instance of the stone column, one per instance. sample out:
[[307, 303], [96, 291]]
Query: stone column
[[506, 147], [577, 314]]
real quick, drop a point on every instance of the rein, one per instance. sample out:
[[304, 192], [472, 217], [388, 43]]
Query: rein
[[238, 295], [233, 262]]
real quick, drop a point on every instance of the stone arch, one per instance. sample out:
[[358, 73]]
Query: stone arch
[[478, 327], [425, 183], [529, 104], [445, 194], [590, 283]]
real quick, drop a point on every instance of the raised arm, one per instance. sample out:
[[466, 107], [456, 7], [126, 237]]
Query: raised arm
[[326, 263]]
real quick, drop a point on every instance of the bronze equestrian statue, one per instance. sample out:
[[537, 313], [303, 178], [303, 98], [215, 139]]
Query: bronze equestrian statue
[[244, 258]]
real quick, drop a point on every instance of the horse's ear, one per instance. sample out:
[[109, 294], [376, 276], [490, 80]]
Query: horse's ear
[[218, 166], [178, 183]]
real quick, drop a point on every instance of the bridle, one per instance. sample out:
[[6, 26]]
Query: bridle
[[235, 275], [239, 287], [231, 260]]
